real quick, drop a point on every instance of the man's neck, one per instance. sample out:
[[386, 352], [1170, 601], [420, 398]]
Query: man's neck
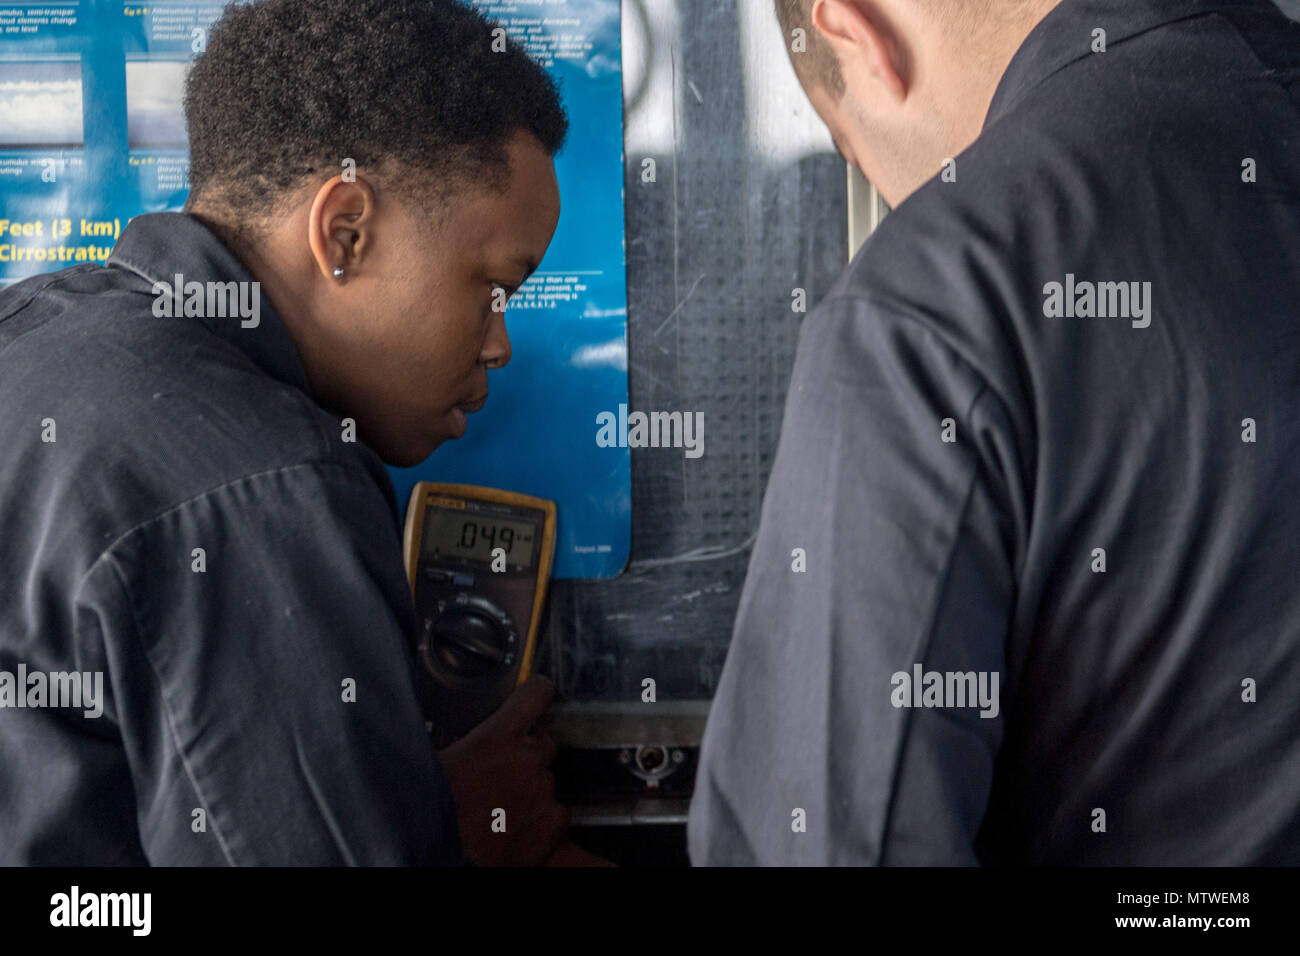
[[977, 65]]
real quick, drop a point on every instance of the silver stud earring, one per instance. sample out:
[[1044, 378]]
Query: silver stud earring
[[338, 272]]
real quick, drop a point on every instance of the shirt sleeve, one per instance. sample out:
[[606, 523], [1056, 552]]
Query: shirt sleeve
[[886, 544], [256, 640]]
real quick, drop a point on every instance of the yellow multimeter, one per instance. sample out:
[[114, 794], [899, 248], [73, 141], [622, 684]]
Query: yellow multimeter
[[479, 562]]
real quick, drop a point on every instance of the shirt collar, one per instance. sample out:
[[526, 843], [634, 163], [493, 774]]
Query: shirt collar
[[1065, 36], [163, 245]]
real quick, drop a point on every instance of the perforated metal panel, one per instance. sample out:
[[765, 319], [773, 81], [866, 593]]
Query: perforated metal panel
[[715, 247]]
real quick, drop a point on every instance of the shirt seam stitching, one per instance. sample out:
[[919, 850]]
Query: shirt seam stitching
[[901, 310], [167, 709], [928, 637], [1270, 73], [896, 308], [1014, 101], [108, 552], [55, 279]]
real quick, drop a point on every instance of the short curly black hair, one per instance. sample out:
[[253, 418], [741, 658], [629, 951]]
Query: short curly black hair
[[423, 92]]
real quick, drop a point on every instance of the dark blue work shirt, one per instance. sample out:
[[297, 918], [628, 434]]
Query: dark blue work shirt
[[178, 516], [1045, 430]]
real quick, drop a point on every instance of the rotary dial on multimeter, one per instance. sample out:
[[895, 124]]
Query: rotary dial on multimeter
[[470, 637]]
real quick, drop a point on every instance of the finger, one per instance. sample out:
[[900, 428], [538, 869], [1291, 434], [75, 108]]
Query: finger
[[524, 706], [550, 827], [546, 748], [544, 723], [560, 820]]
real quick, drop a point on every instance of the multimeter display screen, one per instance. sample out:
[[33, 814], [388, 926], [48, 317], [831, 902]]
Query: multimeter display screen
[[463, 534]]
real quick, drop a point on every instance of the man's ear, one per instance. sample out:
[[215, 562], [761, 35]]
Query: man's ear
[[340, 226], [866, 43]]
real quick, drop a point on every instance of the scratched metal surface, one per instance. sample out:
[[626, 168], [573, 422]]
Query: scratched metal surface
[[749, 203]]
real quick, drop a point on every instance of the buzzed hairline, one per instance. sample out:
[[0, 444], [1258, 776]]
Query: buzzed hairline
[[816, 62]]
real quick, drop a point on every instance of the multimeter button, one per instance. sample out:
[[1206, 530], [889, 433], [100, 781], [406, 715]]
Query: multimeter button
[[436, 574], [463, 580]]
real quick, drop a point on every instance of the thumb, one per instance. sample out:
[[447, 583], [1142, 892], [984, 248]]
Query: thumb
[[525, 705]]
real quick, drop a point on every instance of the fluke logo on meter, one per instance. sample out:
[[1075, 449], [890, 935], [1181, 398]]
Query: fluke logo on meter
[[479, 561]]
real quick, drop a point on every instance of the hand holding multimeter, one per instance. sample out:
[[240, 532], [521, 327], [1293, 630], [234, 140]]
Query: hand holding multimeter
[[498, 771], [479, 561]]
